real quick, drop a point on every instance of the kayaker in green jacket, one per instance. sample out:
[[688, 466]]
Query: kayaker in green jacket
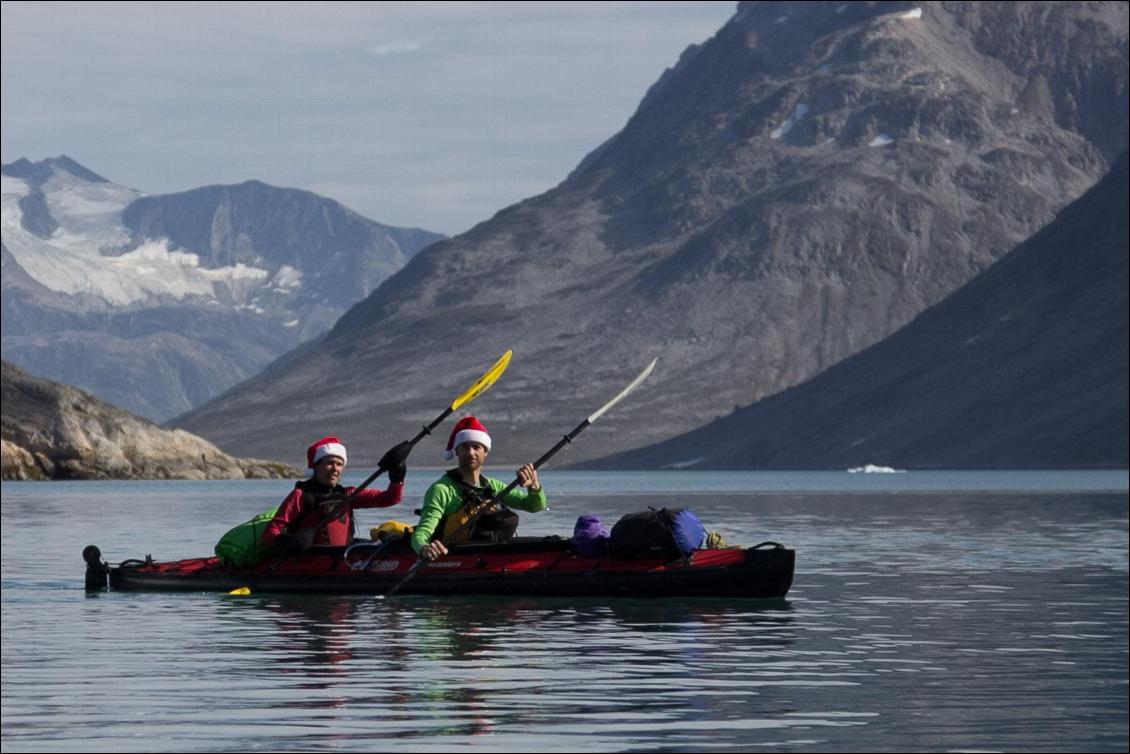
[[447, 500]]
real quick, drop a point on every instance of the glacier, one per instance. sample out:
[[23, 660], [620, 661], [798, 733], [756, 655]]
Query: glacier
[[77, 258]]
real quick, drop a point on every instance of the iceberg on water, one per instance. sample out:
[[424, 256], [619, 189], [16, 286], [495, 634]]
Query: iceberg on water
[[873, 469]]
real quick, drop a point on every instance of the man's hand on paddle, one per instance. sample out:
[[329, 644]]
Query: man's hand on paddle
[[528, 477], [433, 550]]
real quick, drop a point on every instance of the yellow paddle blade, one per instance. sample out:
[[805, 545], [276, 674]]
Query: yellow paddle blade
[[484, 382], [242, 591]]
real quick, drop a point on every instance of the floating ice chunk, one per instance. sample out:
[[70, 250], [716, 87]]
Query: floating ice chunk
[[871, 468], [881, 140], [292, 323], [784, 128]]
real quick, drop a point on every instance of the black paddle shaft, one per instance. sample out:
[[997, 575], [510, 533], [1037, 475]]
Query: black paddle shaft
[[538, 463], [424, 432], [486, 505]]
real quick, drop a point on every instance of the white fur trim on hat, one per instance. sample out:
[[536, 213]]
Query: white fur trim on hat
[[471, 435], [328, 449]]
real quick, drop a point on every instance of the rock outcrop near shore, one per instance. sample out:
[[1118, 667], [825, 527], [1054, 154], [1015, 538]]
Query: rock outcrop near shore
[[54, 431]]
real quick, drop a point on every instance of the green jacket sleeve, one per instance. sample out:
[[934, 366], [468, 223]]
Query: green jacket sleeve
[[520, 498], [437, 500]]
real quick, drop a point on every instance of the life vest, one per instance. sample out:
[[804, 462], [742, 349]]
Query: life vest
[[316, 503], [497, 524]]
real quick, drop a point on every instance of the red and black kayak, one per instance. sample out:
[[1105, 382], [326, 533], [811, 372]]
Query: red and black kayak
[[533, 566]]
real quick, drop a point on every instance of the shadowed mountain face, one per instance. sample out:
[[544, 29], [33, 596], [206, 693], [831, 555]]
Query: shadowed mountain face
[[792, 191], [53, 431], [1026, 366], [159, 303]]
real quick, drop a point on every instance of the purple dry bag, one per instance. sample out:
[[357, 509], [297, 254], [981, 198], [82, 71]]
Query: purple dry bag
[[590, 538]]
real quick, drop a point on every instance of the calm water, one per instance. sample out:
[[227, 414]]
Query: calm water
[[930, 612]]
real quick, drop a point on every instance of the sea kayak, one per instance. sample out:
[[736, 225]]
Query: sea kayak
[[532, 566]]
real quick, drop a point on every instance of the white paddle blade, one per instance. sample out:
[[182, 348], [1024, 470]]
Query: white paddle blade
[[635, 383]]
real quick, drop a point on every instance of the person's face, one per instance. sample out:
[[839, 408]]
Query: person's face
[[471, 455], [328, 470]]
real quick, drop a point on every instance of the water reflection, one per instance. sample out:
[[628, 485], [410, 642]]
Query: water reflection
[[463, 668], [315, 635], [587, 666]]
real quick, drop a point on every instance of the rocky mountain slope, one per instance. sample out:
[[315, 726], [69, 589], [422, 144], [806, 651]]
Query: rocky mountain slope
[[158, 303], [794, 190], [53, 431], [1025, 367]]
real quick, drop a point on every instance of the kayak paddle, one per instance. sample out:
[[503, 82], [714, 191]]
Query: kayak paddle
[[479, 387], [486, 504]]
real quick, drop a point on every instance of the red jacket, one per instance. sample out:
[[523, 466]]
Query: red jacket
[[295, 517]]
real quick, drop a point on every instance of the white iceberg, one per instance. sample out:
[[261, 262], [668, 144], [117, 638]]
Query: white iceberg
[[871, 468]]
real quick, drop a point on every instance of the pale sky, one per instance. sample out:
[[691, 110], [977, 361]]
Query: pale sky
[[432, 115]]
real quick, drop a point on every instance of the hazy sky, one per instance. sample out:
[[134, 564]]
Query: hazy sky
[[433, 115]]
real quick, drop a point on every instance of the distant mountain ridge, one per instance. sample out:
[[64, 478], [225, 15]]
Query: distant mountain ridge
[[795, 189], [38, 173], [158, 303], [1025, 367]]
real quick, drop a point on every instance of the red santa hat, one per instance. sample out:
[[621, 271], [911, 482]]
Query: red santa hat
[[467, 429], [327, 446]]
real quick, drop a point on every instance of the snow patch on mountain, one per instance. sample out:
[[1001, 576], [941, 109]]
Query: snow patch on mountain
[[797, 113], [286, 279], [12, 185], [72, 262]]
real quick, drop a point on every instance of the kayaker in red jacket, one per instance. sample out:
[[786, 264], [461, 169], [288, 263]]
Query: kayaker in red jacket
[[299, 523]]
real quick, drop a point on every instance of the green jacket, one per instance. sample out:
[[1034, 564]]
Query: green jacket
[[443, 499]]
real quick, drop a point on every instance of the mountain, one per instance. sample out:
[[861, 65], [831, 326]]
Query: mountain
[[158, 303], [1024, 367], [53, 431], [794, 190]]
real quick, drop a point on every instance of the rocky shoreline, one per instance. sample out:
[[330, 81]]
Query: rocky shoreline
[[54, 431]]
